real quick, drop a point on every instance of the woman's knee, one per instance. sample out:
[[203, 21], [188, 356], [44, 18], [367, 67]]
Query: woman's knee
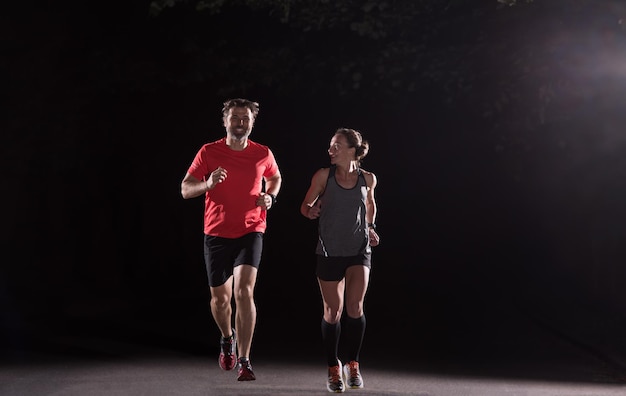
[[354, 309], [332, 315]]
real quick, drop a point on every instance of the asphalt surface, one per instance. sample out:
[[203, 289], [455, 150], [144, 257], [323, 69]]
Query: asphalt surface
[[546, 365], [179, 374], [484, 347]]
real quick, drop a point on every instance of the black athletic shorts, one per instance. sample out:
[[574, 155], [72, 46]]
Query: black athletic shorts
[[334, 268], [221, 255]]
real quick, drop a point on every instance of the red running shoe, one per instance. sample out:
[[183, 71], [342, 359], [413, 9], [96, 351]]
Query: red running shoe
[[228, 356], [245, 371]]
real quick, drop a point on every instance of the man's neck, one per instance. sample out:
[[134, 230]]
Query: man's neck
[[237, 144]]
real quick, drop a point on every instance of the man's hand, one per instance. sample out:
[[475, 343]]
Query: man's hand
[[264, 200], [216, 177]]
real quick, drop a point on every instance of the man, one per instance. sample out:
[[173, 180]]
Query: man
[[232, 173]]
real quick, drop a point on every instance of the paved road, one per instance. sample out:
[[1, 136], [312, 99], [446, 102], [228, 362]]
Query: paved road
[[180, 374], [100, 367], [502, 353]]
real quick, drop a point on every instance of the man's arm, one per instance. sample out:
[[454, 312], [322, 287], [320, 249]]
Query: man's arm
[[192, 187], [272, 184]]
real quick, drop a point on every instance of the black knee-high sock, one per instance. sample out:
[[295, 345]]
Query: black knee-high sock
[[330, 339], [354, 333]]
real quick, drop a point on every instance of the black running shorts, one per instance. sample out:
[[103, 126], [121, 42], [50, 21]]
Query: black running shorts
[[334, 268], [221, 255]]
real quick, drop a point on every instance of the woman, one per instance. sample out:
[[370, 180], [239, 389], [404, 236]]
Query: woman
[[342, 197]]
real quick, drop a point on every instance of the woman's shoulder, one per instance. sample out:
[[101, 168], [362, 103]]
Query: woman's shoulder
[[322, 173], [367, 173], [320, 176], [370, 177]]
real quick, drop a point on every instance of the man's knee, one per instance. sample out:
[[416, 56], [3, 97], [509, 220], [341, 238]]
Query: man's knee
[[220, 300], [244, 294]]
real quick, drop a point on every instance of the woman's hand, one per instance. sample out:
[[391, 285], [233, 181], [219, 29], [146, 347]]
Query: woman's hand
[[374, 238], [314, 210]]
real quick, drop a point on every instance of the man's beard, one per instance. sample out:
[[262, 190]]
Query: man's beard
[[239, 135]]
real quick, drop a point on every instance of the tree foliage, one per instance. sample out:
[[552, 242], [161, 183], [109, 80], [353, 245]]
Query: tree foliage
[[483, 56], [390, 46]]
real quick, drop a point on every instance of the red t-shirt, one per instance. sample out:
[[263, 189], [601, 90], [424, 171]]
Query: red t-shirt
[[230, 209]]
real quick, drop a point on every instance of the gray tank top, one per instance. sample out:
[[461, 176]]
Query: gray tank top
[[342, 226]]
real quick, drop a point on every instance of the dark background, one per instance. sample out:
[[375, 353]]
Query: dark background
[[496, 132]]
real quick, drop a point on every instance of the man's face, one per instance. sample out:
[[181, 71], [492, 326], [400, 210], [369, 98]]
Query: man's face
[[239, 122]]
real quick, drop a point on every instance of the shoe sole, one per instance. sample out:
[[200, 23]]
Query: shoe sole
[[335, 391]]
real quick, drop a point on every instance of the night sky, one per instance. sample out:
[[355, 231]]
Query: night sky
[[497, 135]]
